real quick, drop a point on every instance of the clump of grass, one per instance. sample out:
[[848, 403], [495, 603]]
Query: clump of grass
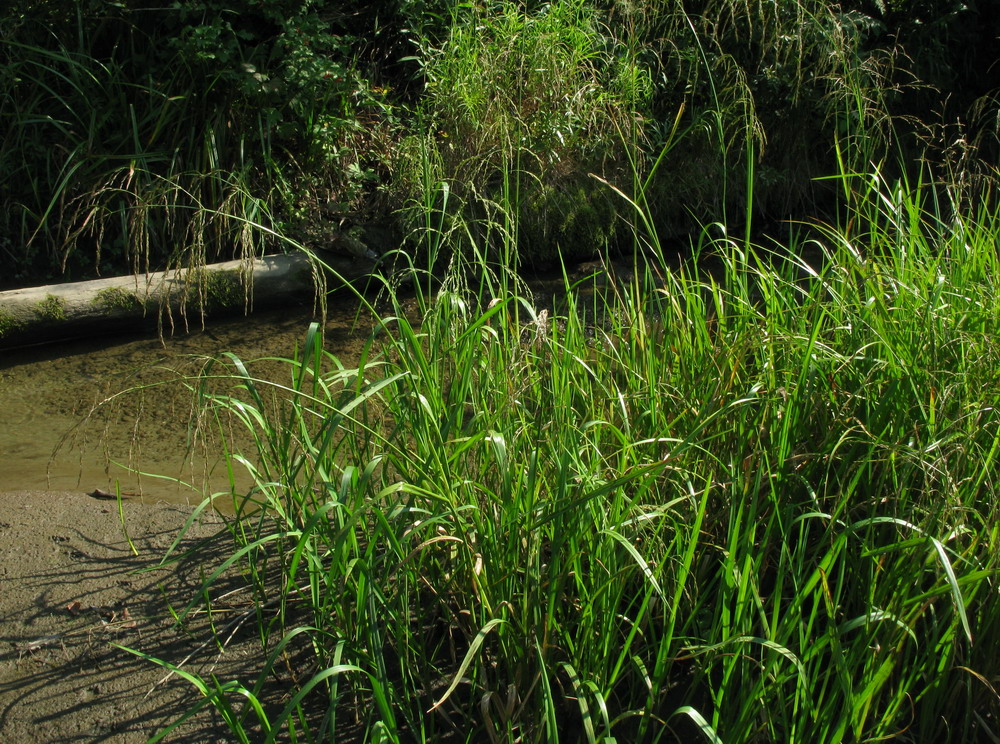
[[755, 504], [180, 142], [86, 207], [51, 308], [116, 298], [8, 323]]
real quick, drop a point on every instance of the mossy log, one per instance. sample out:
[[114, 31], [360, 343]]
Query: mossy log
[[168, 299]]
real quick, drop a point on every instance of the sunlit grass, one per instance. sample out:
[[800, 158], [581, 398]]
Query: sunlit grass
[[753, 504]]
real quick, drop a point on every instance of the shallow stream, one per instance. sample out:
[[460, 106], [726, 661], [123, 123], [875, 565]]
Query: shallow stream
[[66, 425]]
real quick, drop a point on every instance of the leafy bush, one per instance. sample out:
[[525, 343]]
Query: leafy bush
[[139, 135], [143, 137]]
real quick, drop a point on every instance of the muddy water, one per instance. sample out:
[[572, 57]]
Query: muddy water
[[65, 423]]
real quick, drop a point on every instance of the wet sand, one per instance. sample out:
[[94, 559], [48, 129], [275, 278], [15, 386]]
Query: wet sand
[[69, 589]]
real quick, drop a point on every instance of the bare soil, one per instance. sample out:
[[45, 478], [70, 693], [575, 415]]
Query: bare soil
[[71, 588]]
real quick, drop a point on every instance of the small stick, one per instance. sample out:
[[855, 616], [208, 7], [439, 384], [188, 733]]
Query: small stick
[[97, 493]]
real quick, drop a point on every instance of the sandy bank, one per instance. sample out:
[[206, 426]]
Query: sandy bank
[[69, 588]]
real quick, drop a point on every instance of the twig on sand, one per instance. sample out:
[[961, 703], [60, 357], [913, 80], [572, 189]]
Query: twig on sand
[[38, 643], [117, 620], [97, 493]]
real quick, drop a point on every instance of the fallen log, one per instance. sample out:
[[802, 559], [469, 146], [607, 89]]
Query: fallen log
[[167, 299]]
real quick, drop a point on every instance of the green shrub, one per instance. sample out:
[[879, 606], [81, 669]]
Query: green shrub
[[223, 125]]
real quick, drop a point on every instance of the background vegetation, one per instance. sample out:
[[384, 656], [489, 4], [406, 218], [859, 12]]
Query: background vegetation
[[141, 135]]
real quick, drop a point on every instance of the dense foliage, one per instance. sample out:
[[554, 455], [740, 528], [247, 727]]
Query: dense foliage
[[141, 135]]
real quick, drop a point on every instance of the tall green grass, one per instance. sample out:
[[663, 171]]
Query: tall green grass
[[107, 172], [756, 503], [140, 138]]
